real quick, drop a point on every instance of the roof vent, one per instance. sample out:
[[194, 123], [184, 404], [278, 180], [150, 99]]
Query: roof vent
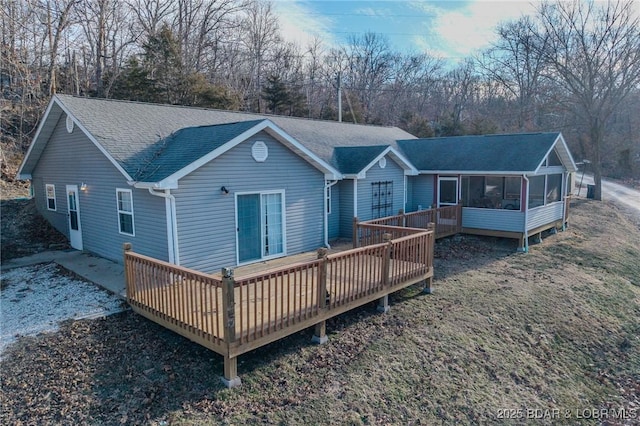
[[259, 151], [382, 162], [69, 123]]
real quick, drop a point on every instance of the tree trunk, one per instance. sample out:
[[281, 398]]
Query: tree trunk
[[597, 136]]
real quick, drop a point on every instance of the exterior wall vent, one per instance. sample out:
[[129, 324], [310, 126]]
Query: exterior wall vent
[[259, 151], [382, 162], [69, 123]]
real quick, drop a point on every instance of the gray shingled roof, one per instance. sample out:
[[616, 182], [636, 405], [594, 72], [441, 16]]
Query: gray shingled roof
[[184, 147], [129, 131], [521, 152], [352, 159]]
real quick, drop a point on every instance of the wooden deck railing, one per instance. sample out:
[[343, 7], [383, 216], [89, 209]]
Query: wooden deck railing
[[186, 301], [234, 315], [447, 220], [269, 302]]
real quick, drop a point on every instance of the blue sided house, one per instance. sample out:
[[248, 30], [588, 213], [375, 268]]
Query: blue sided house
[[208, 189]]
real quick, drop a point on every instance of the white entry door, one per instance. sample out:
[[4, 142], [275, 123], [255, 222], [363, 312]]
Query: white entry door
[[73, 206]]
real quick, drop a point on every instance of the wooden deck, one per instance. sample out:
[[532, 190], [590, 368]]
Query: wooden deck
[[445, 221], [235, 314], [269, 302]]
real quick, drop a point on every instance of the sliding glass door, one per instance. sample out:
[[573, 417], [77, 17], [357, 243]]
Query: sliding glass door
[[260, 220]]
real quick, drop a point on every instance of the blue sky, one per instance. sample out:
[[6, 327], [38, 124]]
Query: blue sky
[[448, 29]]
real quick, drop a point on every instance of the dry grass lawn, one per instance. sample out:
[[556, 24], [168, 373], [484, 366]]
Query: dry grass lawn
[[555, 329]]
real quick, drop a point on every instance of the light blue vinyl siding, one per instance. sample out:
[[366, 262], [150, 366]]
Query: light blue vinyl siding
[[334, 216], [409, 194], [345, 205], [207, 218], [422, 192], [392, 172], [492, 219], [71, 159], [543, 215]]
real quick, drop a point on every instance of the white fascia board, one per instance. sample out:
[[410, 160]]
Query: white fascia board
[[563, 143], [409, 169], [400, 159], [363, 173], [20, 175], [165, 184], [284, 137], [563, 146], [94, 140], [58, 102], [170, 182], [474, 172], [331, 176]]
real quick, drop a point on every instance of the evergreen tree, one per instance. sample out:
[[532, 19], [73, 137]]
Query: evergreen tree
[[276, 95]]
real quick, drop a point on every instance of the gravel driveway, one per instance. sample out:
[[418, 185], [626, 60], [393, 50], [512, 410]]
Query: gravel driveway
[[35, 299]]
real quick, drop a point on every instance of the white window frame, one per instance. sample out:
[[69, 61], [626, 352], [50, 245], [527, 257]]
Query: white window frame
[[133, 222], [328, 195], [448, 179], [46, 195]]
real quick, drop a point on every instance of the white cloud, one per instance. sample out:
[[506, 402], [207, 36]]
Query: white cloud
[[472, 27], [449, 29], [301, 24]]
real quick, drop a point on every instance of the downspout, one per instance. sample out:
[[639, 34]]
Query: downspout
[[404, 201], [172, 224], [525, 249], [564, 196], [327, 185]]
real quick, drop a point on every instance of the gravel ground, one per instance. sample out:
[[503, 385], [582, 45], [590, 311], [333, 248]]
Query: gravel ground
[[36, 299]]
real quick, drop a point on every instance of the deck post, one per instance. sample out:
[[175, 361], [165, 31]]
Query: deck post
[[403, 219], [428, 283], [383, 302], [127, 279], [523, 246], [230, 378], [355, 232], [320, 329]]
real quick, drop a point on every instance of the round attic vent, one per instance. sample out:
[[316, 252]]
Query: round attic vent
[[259, 151], [382, 162], [69, 123]]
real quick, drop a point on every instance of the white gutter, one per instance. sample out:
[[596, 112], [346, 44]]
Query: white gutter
[[526, 216], [404, 200], [172, 224], [327, 185]]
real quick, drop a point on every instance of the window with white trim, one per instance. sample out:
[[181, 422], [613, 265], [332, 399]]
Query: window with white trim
[[51, 196], [328, 200], [124, 200], [544, 190]]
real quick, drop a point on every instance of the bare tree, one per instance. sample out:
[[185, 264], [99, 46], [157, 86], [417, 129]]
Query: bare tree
[[108, 32], [150, 14], [515, 61], [594, 53], [57, 16], [371, 66], [261, 35]]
